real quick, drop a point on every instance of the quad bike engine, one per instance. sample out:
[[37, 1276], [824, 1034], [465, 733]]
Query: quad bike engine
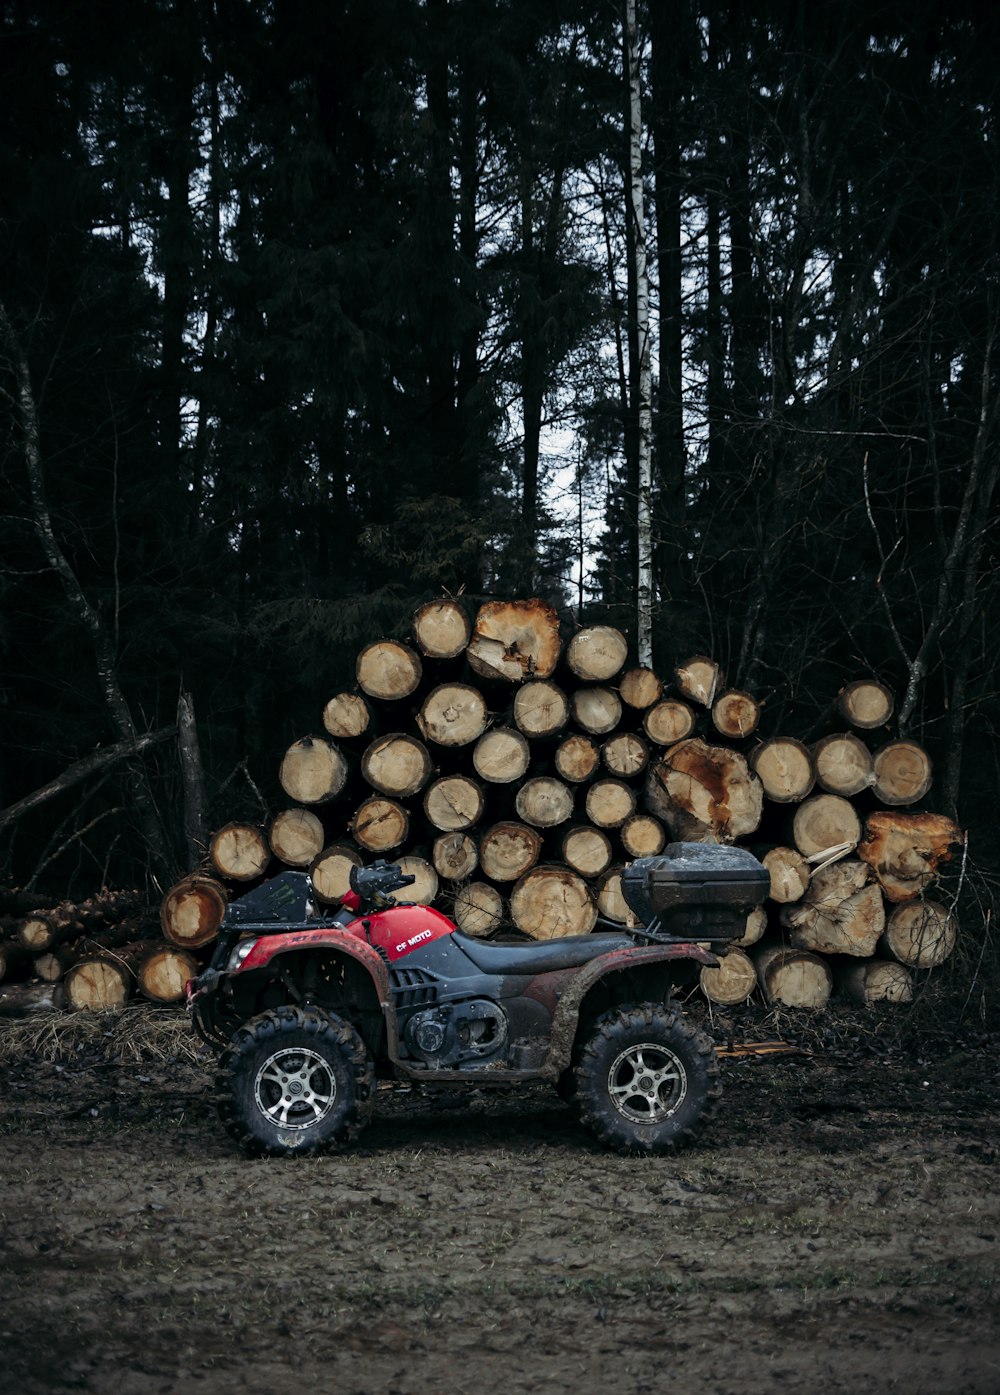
[[457, 1033]]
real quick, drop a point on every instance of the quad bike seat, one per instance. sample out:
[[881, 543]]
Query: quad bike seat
[[570, 952]]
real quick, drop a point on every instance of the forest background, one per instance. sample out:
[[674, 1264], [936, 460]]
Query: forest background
[[308, 312]]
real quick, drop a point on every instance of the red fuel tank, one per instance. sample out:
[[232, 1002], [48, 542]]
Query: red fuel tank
[[402, 929]]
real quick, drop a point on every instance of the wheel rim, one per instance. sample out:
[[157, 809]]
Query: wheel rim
[[647, 1083], [295, 1088]]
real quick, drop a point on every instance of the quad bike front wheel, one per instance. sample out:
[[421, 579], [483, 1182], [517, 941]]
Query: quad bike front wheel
[[645, 1080], [295, 1081]]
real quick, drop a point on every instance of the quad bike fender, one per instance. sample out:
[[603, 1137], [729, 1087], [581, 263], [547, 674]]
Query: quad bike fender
[[271, 947], [567, 1014]]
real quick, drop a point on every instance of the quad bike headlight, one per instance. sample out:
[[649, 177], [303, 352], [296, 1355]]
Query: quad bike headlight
[[239, 954]]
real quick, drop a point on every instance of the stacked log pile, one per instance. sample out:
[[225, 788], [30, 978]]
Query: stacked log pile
[[515, 776]]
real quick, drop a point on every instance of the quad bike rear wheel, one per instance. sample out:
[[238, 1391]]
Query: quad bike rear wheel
[[295, 1081], [646, 1081]]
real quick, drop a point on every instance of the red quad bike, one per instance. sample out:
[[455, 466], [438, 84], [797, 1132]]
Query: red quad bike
[[310, 1007]]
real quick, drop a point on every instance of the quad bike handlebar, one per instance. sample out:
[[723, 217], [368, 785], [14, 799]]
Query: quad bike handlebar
[[375, 884]]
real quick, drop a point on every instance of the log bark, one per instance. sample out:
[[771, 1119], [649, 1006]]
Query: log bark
[[668, 722], [577, 758], [640, 688], [625, 755], [902, 773], [380, 824], [841, 913], [453, 714], [643, 835], [163, 971], [735, 714], [478, 909], [296, 837], [785, 768], [843, 764], [192, 912], [508, 850], [454, 803], [825, 821], [330, 872], [541, 708], [704, 793], [793, 977], [347, 716], [865, 703], [501, 756], [544, 802], [313, 771], [442, 629], [239, 852], [597, 653], [455, 856], [920, 934], [878, 981], [789, 873], [597, 710], [388, 670], [732, 982], [905, 850], [611, 901], [514, 640], [698, 680], [425, 889], [610, 803], [549, 902], [397, 765], [23, 999], [54, 924], [586, 850]]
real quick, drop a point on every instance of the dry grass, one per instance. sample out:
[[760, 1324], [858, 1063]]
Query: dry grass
[[135, 1034]]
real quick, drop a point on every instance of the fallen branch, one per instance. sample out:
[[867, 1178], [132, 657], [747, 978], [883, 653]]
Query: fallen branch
[[82, 770]]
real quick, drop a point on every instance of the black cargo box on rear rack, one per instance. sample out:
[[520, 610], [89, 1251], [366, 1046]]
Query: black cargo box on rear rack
[[698, 891]]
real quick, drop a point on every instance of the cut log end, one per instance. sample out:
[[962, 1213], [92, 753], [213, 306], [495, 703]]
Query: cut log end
[[296, 837], [442, 629], [514, 640], [313, 771], [453, 714], [388, 670], [597, 653], [239, 852], [330, 872], [735, 714], [550, 902], [785, 768], [732, 981], [699, 680], [865, 703]]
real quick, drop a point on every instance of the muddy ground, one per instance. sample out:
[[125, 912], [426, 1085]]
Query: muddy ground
[[837, 1230]]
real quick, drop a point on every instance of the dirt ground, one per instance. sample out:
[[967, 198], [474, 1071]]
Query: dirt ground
[[836, 1230]]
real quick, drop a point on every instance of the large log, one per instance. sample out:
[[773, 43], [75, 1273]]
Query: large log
[[514, 640], [347, 716], [865, 703], [877, 981], [398, 765], [454, 803], [501, 756], [296, 836], [625, 755], [423, 891], [789, 873], [51, 925], [704, 793], [192, 911], [453, 714], [37, 934], [455, 856], [239, 852], [643, 835], [478, 909], [735, 714], [920, 934], [732, 981], [902, 773], [756, 924], [442, 629], [544, 802], [842, 912], [793, 977], [330, 873], [825, 822], [597, 710], [668, 722], [313, 771], [586, 850], [905, 850], [843, 764], [98, 984], [611, 901], [508, 850], [698, 680], [577, 758], [163, 971], [785, 768], [549, 902], [380, 824], [640, 688], [597, 653], [388, 670], [609, 803], [541, 708]]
